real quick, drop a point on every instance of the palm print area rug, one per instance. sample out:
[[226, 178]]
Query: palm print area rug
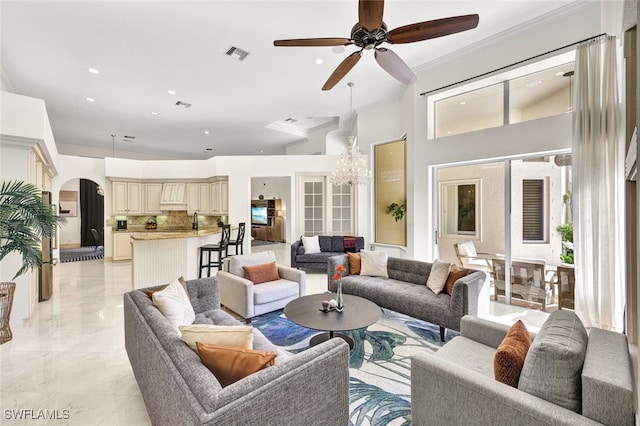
[[380, 362]]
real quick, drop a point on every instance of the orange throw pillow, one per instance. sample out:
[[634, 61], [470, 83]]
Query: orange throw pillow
[[454, 274], [261, 273], [510, 355], [230, 364], [354, 263]]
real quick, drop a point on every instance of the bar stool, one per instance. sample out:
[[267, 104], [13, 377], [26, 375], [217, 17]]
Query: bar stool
[[221, 248], [239, 239]]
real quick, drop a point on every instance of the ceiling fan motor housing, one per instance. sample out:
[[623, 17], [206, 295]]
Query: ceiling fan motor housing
[[368, 39]]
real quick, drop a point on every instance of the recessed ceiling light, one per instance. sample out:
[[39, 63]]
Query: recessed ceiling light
[[261, 152], [206, 132], [463, 102], [90, 100], [94, 71], [534, 83], [154, 113], [319, 61], [171, 92]]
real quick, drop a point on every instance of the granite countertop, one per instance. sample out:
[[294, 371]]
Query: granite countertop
[[152, 234]]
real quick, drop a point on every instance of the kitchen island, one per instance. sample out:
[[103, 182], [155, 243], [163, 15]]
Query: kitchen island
[[159, 257]]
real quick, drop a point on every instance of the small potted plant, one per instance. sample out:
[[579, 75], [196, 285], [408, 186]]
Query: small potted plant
[[24, 220], [397, 210]]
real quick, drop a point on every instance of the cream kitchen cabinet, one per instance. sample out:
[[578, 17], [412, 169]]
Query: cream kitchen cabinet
[[122, 249], [220, 197], [126, 198], [198, 198], [152, 193]]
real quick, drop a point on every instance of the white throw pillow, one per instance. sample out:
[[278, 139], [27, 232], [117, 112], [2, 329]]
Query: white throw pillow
[[311, 244], [374, 263], [223, 335], [438, 275], [173, 301]]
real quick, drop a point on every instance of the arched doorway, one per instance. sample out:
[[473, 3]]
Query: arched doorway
[[81, 202]]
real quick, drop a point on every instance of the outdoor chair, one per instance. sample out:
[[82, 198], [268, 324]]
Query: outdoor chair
[[470, 258], [528, 280], [566, 286]]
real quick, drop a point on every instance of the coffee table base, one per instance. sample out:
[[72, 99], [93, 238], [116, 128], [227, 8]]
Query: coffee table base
[[323, 337]]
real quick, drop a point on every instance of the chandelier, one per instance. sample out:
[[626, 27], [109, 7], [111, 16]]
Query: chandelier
[[352, 165]]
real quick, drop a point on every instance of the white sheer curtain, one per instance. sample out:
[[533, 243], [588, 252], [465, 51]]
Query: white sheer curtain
[[598, 178]]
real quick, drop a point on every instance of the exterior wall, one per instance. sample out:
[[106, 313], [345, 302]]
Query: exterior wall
[[491, 240]]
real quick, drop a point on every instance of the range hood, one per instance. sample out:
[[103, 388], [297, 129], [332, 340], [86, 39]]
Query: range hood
[[173, 196]]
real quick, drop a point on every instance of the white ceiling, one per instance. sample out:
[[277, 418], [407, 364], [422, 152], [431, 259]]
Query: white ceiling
[[143, 49]]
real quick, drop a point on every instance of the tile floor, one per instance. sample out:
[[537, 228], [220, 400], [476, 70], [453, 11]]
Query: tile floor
[[69, 358]]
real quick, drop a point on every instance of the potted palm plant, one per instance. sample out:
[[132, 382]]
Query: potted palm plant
[[24, 220]]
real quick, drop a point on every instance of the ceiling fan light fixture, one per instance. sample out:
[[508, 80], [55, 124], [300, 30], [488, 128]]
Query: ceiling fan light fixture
[[370, 32]]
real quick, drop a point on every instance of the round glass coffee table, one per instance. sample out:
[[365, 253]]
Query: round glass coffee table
[[357, 313]]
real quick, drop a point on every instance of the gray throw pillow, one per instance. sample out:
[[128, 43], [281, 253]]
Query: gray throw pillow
[[553, 367]]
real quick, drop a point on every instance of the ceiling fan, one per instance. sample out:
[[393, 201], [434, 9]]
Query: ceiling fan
[[370, 32]]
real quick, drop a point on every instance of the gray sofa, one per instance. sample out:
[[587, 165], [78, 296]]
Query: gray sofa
[[456, 385], [329, 246], [179, 390], [406, 291]]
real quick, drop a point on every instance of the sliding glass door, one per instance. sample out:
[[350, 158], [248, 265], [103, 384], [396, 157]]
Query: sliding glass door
[[509, 219]]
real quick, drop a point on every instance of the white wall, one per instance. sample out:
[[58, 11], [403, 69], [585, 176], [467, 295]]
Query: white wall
[[15, 164], [315, 144], [24, 130], [69, 233]]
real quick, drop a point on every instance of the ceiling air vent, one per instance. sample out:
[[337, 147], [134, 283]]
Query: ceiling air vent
[[184, 104], [236, 53]]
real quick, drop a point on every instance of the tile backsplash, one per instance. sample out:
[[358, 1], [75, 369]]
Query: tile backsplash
[[171, 221]]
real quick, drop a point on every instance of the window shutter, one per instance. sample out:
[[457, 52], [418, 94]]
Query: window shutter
[[533, 210]]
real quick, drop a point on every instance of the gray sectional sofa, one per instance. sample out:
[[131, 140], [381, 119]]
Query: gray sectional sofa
[[329, 246], [406, 291], [457, 383], [179, 390]]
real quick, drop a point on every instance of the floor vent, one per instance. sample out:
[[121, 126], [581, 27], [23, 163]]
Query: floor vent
[[236, 53]]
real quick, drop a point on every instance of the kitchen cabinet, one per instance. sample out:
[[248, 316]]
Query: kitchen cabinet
[[122, 245], [152, 196], [173, 193], [126, 198], [220, 197], [198, 198]]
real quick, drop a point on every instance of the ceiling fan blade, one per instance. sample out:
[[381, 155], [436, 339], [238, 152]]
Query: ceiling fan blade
[[432, 29], [314, 42], [342, 70], [370, 13], [395, 66]]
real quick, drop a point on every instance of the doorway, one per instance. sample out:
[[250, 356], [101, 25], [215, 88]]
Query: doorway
[[81, 202], [508, 218]]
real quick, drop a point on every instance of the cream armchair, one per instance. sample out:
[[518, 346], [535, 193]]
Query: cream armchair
[[248, 299]]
